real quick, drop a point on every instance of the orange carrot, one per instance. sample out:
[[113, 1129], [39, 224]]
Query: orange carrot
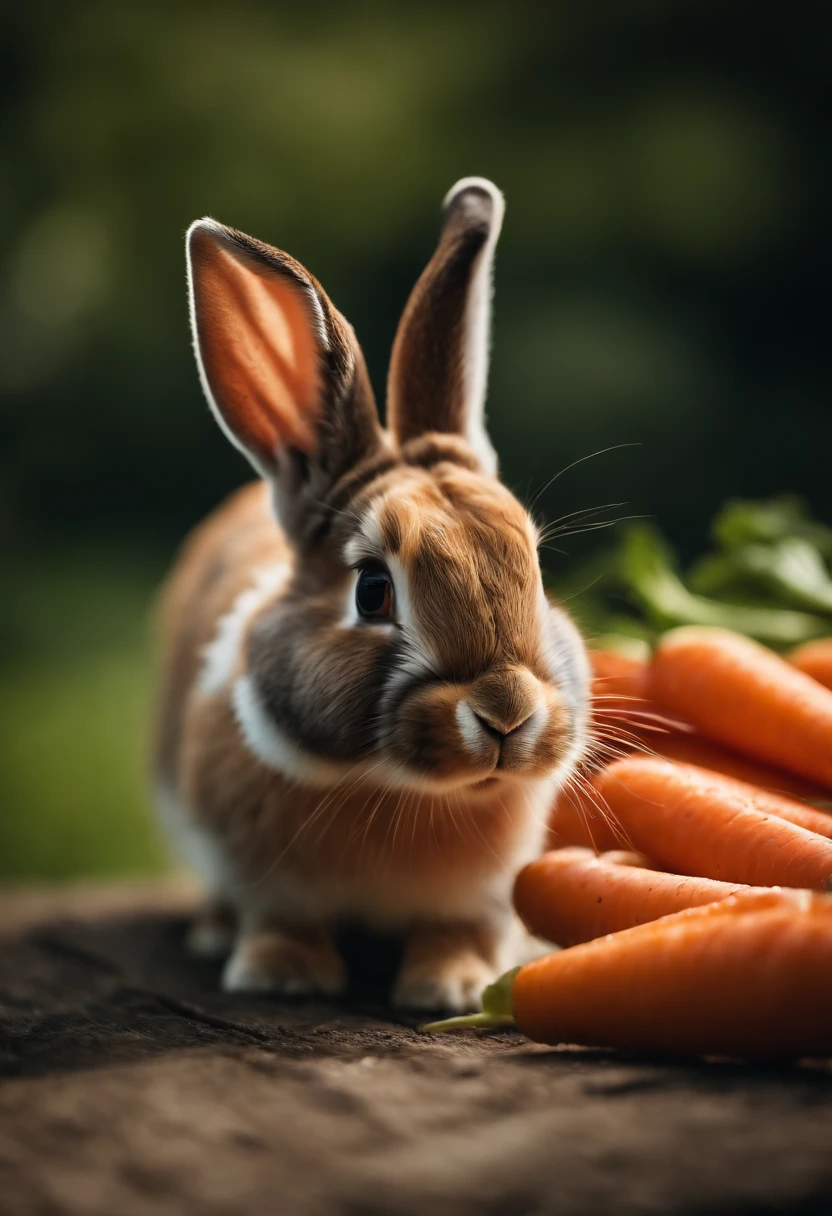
[[815, 659], [762, 798], [589, 818], [617, 673], [571, 895], [580, 818], [742, 695], [694, 749], [692, 821], [748, 976], [617, 693]]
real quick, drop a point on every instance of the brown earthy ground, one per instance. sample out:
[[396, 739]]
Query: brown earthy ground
[[130, 1085]]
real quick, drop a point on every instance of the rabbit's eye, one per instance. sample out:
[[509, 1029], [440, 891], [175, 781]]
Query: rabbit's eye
[[374, 593]]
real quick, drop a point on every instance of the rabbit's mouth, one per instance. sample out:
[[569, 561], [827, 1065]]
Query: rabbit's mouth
[[486, 783], [506, 726]]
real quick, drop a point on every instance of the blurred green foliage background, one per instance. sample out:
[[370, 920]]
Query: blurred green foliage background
[[662, 281]]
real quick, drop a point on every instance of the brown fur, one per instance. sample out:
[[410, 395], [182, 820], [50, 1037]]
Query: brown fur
[[326, 766], [213, 566], [467, 543], [353, 830], [425, 385], [301, 959], [441, 959], [200, 751]]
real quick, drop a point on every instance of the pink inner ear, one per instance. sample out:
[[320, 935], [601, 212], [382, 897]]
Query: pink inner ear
[[259, 348]]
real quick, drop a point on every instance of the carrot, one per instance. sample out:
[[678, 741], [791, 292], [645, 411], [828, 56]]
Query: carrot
[[692, 821], [570, 895], [580, 818], [815, 659], [763, 797], [750, 976], [618, 701], [592, 818], [618, 673], [744, 696], [693, 749]]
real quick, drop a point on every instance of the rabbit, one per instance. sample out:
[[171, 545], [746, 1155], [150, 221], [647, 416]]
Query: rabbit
[[367, 702]]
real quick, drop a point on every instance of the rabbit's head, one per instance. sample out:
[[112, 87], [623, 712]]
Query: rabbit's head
[[413, 637]]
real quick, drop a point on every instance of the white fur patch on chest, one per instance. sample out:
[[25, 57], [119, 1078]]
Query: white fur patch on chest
[[221, 655]]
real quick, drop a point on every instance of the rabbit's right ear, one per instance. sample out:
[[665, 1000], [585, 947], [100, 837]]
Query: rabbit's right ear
[[281, 368], [439, 366]]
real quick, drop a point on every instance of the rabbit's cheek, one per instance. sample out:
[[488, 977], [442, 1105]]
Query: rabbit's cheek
[[320, 684]]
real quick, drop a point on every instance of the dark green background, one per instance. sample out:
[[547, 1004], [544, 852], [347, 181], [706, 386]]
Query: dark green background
[[662, 280]]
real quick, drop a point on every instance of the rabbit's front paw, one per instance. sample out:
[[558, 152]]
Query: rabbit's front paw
[[285, 962], [445, 969], [212, 932]]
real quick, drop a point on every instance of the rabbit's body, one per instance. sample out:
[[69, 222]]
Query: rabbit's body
[[290, 845], [368, 707]]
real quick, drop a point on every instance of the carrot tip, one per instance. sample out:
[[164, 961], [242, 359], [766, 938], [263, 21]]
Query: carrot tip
[[496, 1010], [471, 1021]]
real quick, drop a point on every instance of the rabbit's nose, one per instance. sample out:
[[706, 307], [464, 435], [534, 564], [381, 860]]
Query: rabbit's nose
[[499, 730], [503, 700]]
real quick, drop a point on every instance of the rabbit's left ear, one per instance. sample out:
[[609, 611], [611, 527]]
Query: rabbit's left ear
[[281, 368], [439, 366]]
